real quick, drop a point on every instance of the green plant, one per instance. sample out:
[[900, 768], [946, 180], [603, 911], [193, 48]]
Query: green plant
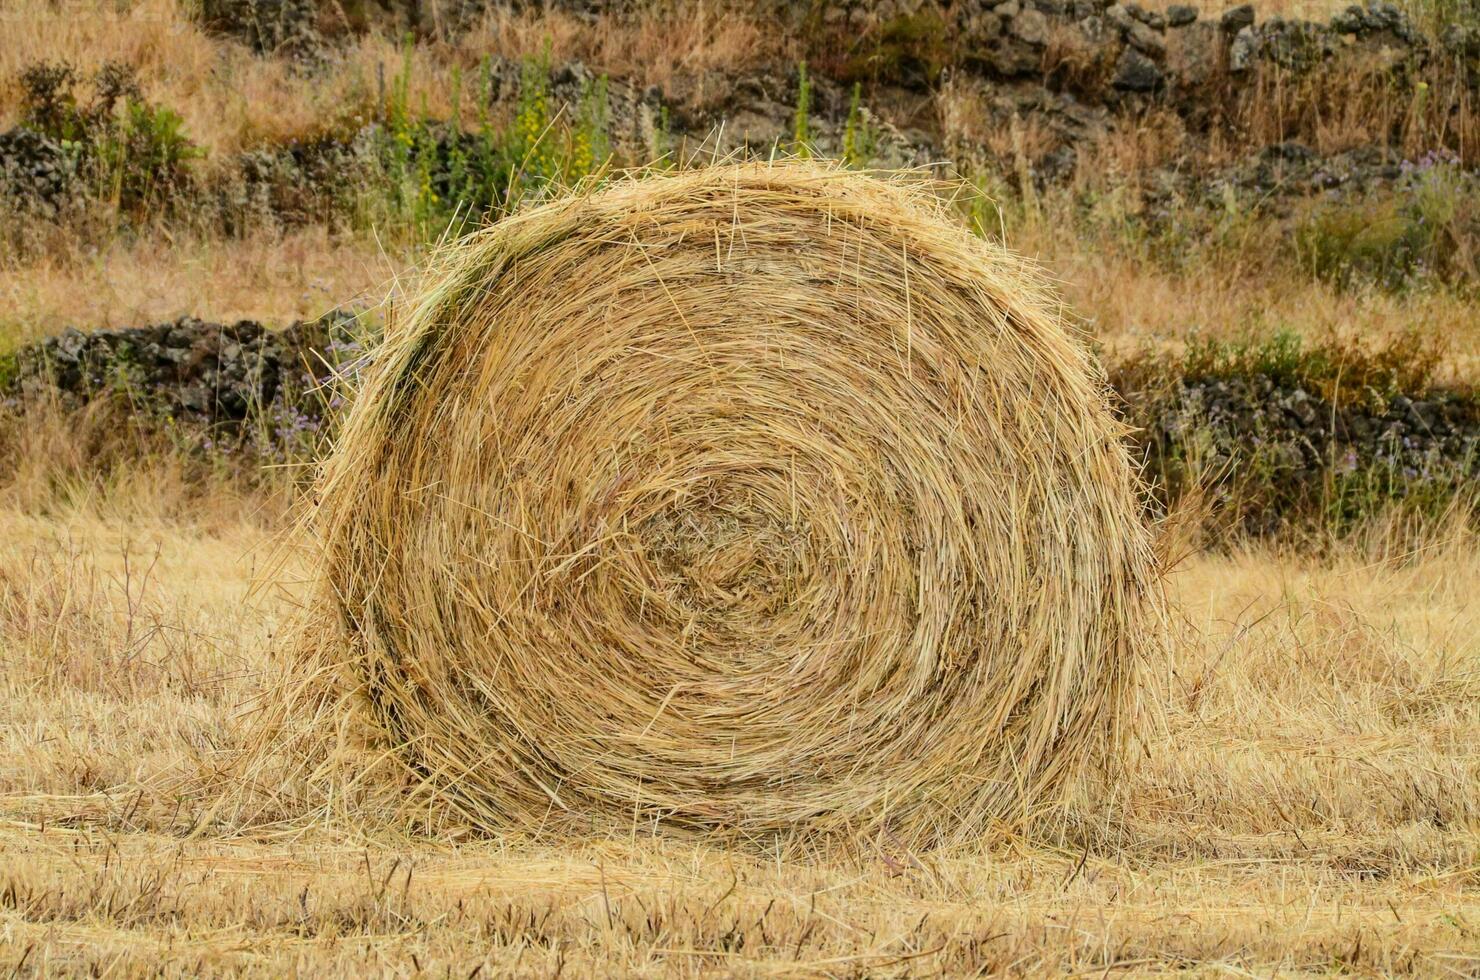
[[53, 100], [859, 139], [486, 178], [1354, 493], [550, 147], [404, 151], [1334, 369], [801, 123], [1444, 200], [660, 146], [145, 156], [457, 153], [1366, 242], [1426, 228], [590, 145], [1280, 435], [982, 204], [135, 152], [10, 369], [530, 150], [440, 177]]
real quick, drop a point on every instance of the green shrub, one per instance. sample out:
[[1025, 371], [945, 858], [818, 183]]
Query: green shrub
[[983, 203], [590, 142], [53, 100], [443, 176], [1280, 436], [1446, 201], [661, 149], [135, 153], [144, 157], [1426, 229], [1370, 242], [530, 146], [1407, 364], [9, 370]]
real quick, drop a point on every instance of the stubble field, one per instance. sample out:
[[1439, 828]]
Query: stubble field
[[178, 797], [1304, 800]]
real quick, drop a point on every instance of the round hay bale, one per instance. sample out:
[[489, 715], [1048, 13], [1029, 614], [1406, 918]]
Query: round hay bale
[[761, 498]]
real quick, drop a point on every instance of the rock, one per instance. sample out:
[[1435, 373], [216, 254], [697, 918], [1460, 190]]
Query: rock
[[36, 171], [1150, 18], [1385, 16], [1296, 45], [1030, 26], [571, 74], [1237, 18], [1290, 150], [215, 373], [1193, 52], [1146, 40], [983, 27], [1094, 29], [1014, 58], [1180, 15], [69, 345], [1241, 52], [1462, 40], [1352, 20], [1135, 72], [1119, 17], [267, 26], [1298, 406]]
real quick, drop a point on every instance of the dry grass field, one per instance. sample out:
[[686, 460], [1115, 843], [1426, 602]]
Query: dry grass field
[[177, 797], [1306, 797]]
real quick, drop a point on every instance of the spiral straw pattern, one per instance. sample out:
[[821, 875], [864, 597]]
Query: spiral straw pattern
[[760, 499]]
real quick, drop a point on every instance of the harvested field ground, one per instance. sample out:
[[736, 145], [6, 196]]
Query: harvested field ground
[[1303, 798], [1307, 800]]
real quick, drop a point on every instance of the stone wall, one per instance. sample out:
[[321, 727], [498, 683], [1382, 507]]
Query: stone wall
[[1275, 450], [218, 376]]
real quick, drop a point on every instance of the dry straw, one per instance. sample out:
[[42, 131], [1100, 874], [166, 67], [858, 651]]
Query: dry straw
[[761, 498]]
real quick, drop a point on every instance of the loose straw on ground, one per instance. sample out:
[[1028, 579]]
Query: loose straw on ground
[[758, 499]]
